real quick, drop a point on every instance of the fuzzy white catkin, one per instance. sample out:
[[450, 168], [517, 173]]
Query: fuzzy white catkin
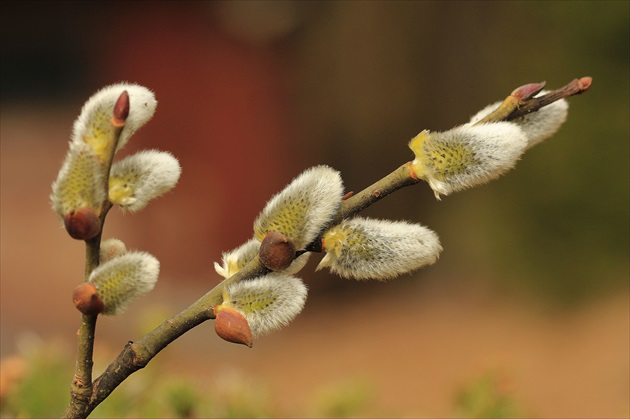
[[364, 248], [467, 156], [124, 278], [142, 105], [111, 248], [268, 302], [538, 125], [79, 183], [303, 208], [234, 260], [141, 177]]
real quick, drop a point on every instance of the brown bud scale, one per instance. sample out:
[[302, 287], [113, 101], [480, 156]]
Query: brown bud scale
[[232, 326], [348, 195], [86, 299], [82, 223], [277, 251]]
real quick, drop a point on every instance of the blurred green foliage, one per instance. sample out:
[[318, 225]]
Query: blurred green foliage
[[485, 398], [558, 226], [43, 391], [347, 398]]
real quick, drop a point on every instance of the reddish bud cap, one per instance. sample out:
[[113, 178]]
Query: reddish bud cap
[[121, 109], [232, 326], [277, 251], [528, 91], [86, 300], [82, 223]]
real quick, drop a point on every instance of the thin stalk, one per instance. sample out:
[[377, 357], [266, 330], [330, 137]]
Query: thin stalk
[[81, 389], [397, 179]]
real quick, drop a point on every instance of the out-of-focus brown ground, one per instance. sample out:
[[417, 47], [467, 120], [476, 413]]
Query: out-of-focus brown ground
[[415, 341]]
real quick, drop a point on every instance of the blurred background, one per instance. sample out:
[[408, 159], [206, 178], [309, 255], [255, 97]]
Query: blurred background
[[525, 314]]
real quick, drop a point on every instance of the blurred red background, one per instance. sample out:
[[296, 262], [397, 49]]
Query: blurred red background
[[533, 281]]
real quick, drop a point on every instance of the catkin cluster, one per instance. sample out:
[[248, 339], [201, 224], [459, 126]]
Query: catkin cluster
[[301, 218], [91, 181]]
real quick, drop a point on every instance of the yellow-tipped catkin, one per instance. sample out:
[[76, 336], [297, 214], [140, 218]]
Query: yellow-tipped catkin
[[141, 177], [94, 125], [124, 278], [80, 182], [466, 156], [363, 248], [234, 260], [268, 302], [303, 208], [538, 125]]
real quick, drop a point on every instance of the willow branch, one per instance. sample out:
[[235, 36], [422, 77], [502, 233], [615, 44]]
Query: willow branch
[[396, 180], [136, 355]]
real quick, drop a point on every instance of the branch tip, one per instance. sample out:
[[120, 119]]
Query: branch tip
[[584, 83], [574, 87]]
